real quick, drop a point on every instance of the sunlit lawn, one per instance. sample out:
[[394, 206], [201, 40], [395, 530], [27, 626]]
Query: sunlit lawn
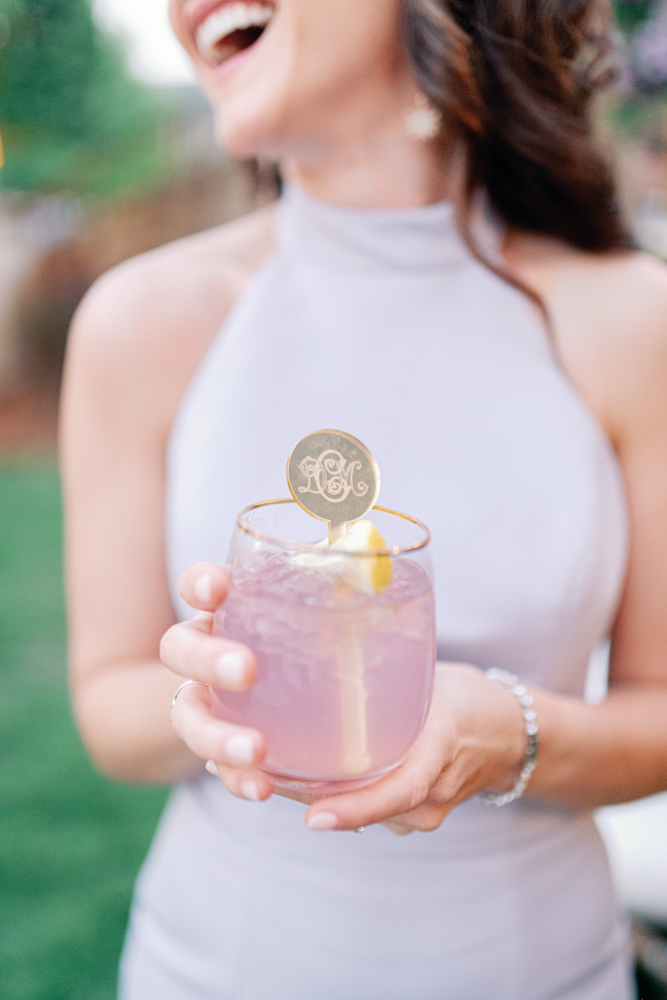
[[71, 842]]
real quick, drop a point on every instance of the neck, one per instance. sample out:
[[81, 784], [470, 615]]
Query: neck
[[374, 163], [384, 177]]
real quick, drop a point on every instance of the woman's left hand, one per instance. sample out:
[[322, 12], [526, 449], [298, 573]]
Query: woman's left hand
[[474, 740]]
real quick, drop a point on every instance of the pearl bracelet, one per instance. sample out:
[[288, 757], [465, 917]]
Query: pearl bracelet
[[511, 682]]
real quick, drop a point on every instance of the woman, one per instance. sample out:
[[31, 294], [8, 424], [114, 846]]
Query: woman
[[415, 138]]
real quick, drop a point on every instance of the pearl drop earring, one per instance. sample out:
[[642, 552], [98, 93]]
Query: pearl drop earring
[[423, 121]]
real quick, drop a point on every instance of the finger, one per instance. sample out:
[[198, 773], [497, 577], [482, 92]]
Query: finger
[[395, 795], [251, 785], [425, 819], [398, 828], [377, 803], [211, 738], [190, 650], [204, 586], [307, 798]]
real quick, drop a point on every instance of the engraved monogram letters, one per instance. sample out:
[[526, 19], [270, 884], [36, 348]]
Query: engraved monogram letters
[[329, 477], [334, 477]]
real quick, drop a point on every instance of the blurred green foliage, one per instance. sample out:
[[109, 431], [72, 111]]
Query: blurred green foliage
[[638, 113], [71, 117], [71, 842], [631, 13]]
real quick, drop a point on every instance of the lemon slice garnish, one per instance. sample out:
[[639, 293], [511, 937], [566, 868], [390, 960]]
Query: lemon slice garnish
[[370, 573]]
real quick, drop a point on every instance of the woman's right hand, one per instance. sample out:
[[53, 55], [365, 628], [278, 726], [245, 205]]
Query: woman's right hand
[[192, 651]]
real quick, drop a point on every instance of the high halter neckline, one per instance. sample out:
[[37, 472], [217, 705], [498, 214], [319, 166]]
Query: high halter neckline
[[369, 240]]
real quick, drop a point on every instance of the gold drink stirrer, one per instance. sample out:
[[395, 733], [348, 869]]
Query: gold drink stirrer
[[334, 478]]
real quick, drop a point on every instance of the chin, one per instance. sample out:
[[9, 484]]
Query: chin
[[242, 137], [248, 128]]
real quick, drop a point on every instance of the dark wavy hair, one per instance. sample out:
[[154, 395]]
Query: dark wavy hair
[[514, 81]]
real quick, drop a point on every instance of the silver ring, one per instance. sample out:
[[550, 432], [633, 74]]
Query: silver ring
[[360, 829], [178, 691]]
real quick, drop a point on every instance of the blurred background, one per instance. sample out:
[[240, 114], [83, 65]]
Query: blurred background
[[108, 151]]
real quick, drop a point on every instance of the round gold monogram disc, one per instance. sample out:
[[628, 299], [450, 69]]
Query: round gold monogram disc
[[334, 477]]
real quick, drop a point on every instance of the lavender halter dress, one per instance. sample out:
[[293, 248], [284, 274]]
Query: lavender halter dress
[[382, 324]]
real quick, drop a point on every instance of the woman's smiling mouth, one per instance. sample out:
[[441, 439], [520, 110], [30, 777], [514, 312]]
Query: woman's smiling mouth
[[231, 29]]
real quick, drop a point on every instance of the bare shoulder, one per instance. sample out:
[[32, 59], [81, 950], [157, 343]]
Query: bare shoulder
[[609, 315], [151, 319]]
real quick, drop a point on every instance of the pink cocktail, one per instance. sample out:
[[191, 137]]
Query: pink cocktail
[[344, 673]]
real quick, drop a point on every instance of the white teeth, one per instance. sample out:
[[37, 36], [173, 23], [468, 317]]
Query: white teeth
[[224, 21]]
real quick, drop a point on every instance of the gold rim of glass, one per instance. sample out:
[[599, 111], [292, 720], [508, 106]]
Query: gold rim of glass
[[284, 543]]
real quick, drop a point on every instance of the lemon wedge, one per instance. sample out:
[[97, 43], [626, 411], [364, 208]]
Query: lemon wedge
[[369, 573]]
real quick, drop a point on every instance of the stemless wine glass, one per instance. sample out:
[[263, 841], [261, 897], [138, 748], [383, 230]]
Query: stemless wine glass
[[345, 674]]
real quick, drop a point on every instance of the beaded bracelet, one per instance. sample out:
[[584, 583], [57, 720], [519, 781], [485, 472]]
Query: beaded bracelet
[[511, 681]]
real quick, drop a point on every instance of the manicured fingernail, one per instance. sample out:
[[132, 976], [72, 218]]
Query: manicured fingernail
[[230, 668], [211, 768], [240, 749], [323, 821], [202, 588], [249, 791]]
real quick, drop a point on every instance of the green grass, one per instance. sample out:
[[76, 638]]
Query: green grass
[[71, 842]]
